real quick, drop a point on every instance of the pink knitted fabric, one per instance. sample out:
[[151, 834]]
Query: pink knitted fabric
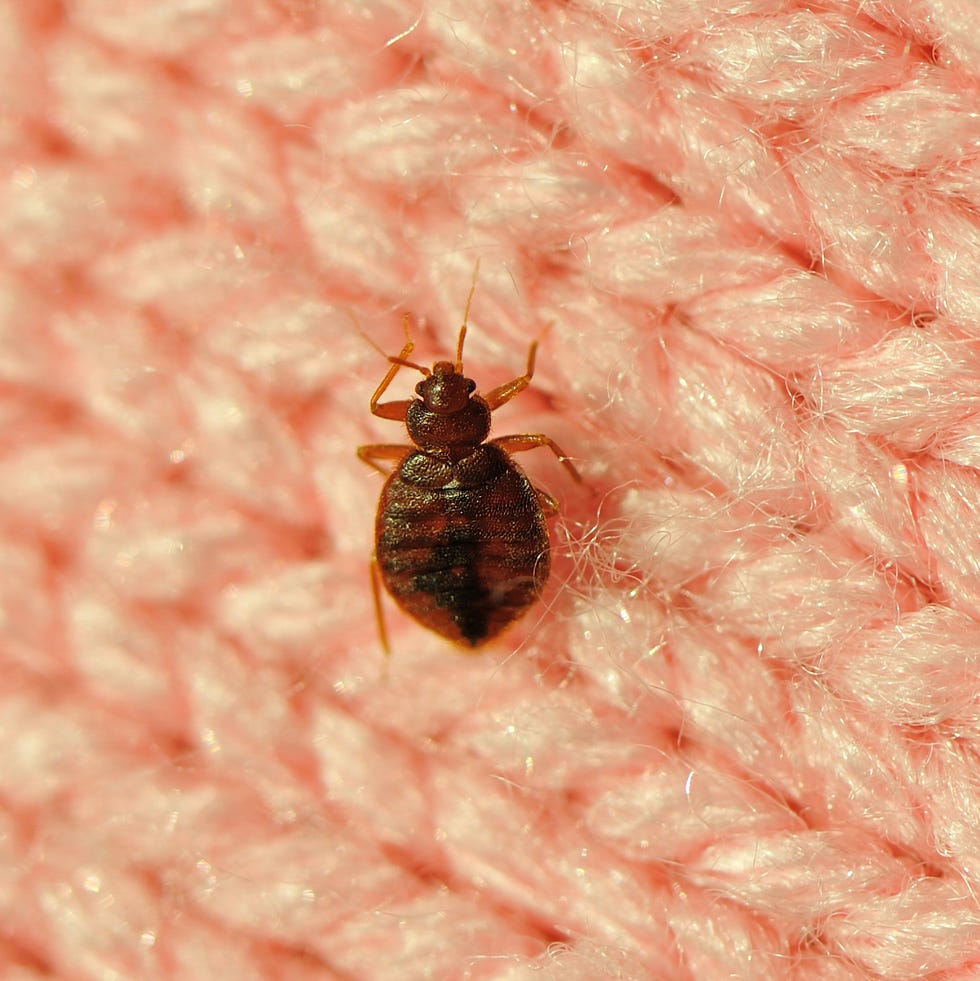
[[740, 735]]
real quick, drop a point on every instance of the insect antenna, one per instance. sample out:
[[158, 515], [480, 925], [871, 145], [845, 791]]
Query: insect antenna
[[405, 363], [466, 317]]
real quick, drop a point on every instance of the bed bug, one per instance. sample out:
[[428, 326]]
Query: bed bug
[[461, 540]]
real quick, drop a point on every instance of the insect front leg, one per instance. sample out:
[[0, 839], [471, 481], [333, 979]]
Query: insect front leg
[[504, 393], [531, 441], [397, 408], [374, 452]]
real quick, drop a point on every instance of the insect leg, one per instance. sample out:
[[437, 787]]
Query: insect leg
[[549, 506], [374, 452], [530, 441], [395, 409], [466, 317], [504, 393], [379, 615]]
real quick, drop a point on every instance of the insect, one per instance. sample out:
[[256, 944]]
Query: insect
[[461, 540]]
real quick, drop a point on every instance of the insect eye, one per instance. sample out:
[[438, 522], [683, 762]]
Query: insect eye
[[418, 388], [470, 386]]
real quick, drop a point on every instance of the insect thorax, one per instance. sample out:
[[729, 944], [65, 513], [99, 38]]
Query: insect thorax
[[430, 430]]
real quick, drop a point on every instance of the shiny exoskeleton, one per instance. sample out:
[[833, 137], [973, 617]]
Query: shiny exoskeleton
[[461, 541]]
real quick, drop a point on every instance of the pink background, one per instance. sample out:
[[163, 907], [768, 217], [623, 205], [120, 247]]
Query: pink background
[[740, 735]]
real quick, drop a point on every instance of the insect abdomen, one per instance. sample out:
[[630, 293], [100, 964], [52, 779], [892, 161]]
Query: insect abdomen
[[462, 547]]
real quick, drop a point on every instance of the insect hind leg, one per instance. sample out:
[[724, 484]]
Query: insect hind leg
[[549, 506], [379, 613]]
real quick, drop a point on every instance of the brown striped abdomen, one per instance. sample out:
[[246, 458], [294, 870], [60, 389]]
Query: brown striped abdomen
[[462, 547]]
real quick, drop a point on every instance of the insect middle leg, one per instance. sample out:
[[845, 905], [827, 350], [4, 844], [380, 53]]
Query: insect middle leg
[[374, 452], [530, 441]]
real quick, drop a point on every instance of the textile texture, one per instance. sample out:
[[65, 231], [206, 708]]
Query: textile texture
[[738, 736]]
